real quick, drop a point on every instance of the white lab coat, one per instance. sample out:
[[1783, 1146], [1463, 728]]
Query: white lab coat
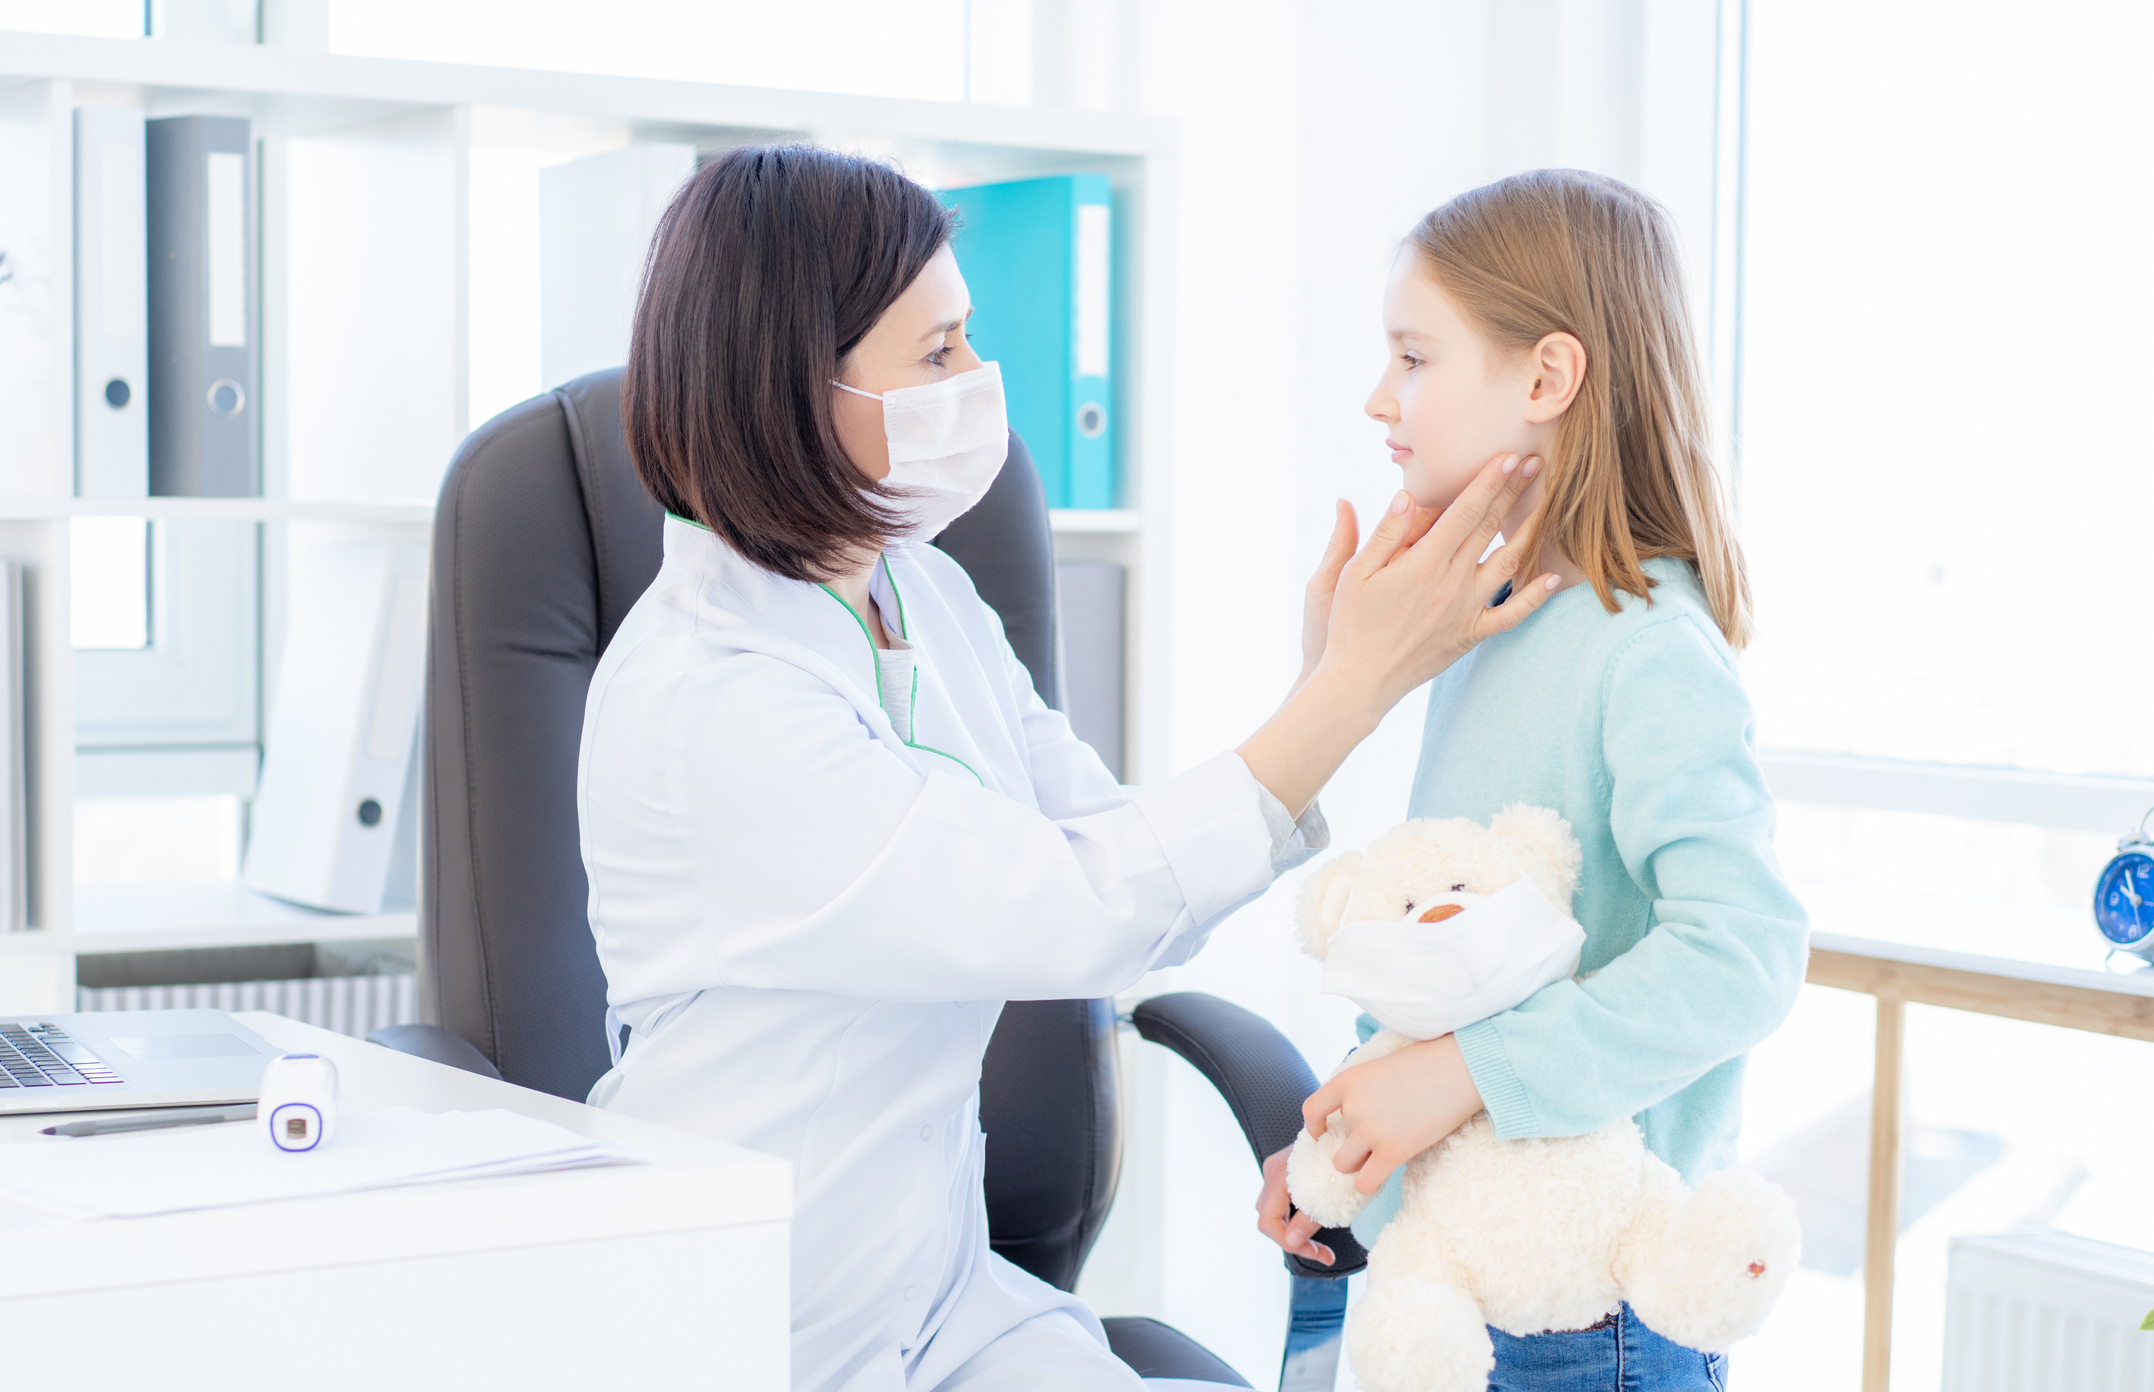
[[810, 918]]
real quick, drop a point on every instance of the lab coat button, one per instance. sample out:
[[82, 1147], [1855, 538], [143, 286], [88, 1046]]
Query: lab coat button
[[927, 1133], [912, 1292]]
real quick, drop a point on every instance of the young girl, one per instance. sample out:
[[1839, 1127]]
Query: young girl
[[1544, 314]]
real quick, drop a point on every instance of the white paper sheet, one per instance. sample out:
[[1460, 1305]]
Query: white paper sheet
[[132, 1176]]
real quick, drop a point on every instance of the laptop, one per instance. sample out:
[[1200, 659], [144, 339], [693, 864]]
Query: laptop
[[128, 1058]]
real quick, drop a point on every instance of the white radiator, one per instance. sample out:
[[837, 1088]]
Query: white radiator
[[353, 1005], [2047, 1312]]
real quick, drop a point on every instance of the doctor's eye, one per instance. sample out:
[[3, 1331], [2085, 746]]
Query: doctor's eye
[[1458, 889]]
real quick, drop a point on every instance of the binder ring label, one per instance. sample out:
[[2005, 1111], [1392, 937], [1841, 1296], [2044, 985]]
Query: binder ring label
[[226, 398]]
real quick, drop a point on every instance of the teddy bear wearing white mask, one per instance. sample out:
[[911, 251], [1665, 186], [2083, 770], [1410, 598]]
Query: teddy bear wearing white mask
[[1442, 922]]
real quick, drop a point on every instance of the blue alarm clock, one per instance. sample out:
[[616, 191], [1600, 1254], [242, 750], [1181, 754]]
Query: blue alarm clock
[[2124, 895]]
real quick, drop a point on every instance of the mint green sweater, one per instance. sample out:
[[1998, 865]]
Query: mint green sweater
[[1635, 727]]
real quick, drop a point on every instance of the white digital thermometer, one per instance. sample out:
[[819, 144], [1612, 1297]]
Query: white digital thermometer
[[298, 1110]]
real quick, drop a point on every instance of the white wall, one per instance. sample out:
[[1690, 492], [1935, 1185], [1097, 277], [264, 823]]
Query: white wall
[[1313, 136]]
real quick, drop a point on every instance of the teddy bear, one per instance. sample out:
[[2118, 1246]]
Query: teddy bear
[[1526, 1235]]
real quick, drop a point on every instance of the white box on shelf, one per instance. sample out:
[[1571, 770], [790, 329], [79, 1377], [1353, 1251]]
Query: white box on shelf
[[36, 287], [596, 216], [112, 347], [325, 820], [14, 806]]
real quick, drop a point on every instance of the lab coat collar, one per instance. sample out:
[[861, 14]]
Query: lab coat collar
[[793, 620]]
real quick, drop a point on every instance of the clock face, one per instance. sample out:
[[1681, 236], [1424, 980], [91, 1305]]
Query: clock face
[[2124, 899]]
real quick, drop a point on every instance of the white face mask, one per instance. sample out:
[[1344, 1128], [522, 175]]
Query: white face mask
[[947, 442], [1428, 979]]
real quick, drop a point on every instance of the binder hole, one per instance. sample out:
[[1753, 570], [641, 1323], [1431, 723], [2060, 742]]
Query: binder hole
[[370, 813], [1091, 420], [225, 397], [117, 394]]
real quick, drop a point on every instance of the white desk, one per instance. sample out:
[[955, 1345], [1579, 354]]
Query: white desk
[[672, 1274]]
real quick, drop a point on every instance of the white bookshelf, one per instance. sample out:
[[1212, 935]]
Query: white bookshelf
[[366, 247]]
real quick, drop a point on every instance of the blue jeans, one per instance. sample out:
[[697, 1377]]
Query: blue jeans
[[1621, 1355]]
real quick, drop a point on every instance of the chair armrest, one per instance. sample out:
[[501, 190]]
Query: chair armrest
[[440, 1045], [1263, 1078]]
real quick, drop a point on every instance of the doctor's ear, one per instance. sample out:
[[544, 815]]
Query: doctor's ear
[[1323, 902]]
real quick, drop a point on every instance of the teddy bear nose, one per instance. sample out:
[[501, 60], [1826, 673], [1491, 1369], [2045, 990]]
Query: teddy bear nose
[[1442, 912]]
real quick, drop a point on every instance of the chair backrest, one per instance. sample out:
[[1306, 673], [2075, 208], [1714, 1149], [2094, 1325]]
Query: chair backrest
[[543, 540]]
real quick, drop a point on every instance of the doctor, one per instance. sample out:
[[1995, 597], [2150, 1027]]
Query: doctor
[[830, 827]]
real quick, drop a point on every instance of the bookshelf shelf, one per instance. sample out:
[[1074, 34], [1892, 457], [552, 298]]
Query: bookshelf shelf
[[219, 509], [1074, 521], [299, 92], [167, 915]]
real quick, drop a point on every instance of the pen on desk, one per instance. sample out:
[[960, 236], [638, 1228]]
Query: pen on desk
[[153, 1120]]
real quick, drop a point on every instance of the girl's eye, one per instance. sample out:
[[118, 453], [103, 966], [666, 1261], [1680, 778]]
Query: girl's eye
[[1410, 360]]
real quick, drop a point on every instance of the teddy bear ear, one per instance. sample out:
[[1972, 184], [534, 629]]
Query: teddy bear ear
[[1323, 902], [1544, 843]]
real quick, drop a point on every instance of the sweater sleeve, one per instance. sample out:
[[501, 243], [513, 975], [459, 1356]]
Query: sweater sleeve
[[1719, 967]]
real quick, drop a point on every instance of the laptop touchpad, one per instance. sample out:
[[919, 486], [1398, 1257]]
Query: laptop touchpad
[[185, 1046]]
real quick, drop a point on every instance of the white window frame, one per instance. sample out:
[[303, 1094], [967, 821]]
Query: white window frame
[[183, 714]]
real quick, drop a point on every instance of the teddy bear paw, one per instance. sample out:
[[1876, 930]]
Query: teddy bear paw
[[1723, 1260], [1412, 1334], [1315, 1184]]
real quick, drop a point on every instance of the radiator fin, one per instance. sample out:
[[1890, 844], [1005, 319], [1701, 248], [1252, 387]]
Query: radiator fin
[[2047, 1312]]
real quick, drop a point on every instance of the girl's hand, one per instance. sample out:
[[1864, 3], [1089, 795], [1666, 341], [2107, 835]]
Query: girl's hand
[[1273, 1207], [1391, 1109]]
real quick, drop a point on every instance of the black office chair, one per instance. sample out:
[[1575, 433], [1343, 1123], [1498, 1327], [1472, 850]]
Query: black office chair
[[543, 539]]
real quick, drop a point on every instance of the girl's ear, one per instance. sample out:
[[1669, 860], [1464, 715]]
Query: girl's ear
[[1545, 847], [1556, 366], [1323, 902]]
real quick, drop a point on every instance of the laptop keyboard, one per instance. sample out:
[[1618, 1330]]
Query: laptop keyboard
[[43, 1056]]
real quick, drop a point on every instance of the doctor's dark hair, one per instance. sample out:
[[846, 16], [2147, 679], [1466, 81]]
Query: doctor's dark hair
[[768, 268]]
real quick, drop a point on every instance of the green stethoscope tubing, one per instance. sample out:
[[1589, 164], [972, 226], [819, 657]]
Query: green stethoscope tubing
[[875, 682], [912, 708]]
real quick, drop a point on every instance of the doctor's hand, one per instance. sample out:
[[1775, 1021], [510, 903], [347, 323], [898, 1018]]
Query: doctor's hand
[[1316, 599], [1323, 586], [1408, 604], [1415, 598], [1393, 1108], [1277, 1220]]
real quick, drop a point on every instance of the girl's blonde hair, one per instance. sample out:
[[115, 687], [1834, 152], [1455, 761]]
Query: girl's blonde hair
[[1632, 477]]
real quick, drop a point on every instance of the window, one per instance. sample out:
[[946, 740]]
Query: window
[[1941, 486], [109, 583], [1943, 285]]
